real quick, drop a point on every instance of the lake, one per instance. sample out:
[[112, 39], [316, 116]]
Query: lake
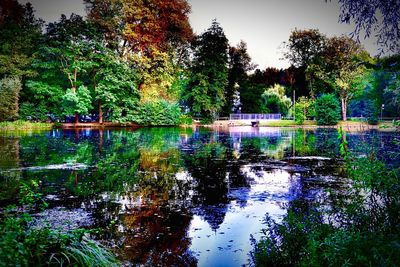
[[181, 197]]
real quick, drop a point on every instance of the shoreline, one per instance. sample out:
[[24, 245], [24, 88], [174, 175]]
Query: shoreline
[[347, 125]]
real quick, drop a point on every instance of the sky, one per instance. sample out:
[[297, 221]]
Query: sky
[[263, 24]]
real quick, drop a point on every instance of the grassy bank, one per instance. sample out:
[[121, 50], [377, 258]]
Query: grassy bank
[[286, 123], [24, 125]]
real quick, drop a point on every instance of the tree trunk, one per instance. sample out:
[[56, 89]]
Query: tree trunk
[[76, 114], [100, 113], [344, 109]]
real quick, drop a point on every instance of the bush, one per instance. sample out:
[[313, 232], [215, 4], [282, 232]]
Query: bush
[[304, 108], [327, 110], [9, 92], [158, 113], [373, 120], [185, 120]]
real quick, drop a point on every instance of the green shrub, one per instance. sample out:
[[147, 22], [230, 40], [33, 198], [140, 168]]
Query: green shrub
[[304, 108], [185, 120], [327, 110], [158, 113], [9, 96], [24, 245], [373, 120], [299, 115]]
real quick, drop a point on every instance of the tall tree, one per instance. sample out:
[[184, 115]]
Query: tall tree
[[64, 65], [108, 17], [239, 63], [209, 72], [156, 24], [20, 34], [303, 48], [341, 66]]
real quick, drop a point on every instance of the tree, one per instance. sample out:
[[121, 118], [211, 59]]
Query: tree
[[114, 86], [250, 97], [156, 25], [304, 108], [64, 65], [20, 33], [340, 66], [327, 109], [9, 91], [304, 46], [107, 16], [275, 100], [209, 72], [303, 49], [375, 16], [239, 63]]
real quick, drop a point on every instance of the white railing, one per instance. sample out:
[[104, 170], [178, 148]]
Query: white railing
[[255, 117]]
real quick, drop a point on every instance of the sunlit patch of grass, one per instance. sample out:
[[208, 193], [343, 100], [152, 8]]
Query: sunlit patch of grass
[[285, 123], [24, 125]]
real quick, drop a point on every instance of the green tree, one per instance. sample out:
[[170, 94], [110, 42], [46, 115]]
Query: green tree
[[275, 100], [209, 72], [327, 109], [114, 86], [20, 34], [302, 50], [341, 65], [239, 63], [250, 97], [304, 108], [9, 91], [304, 46]]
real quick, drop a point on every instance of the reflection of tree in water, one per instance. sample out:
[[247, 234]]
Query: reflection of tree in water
[[211, 162], [9, 158], [156, 228], [326, 141], [206, 161], [272, 147]]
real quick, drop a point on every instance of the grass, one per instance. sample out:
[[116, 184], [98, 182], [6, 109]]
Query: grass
[[24, 125], [286, 123]]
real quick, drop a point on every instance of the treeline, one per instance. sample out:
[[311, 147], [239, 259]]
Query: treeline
[[139, 61]]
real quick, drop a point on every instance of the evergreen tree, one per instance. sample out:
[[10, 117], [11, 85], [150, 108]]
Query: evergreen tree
[[209, 72], [239, 64]]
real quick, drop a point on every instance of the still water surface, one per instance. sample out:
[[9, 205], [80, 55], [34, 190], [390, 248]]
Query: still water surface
[[182, 197]]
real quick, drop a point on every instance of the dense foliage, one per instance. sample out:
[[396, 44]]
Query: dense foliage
[[327, 110], [209, 73], [275, 100], [9, 92]]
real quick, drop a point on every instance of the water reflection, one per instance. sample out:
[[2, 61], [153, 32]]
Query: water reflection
[[184, 197]]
